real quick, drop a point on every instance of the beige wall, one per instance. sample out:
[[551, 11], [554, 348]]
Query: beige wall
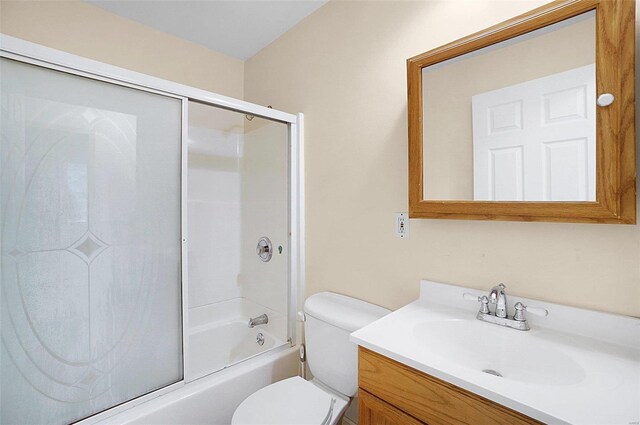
[[448, 89], [87, 30], [344, 67]]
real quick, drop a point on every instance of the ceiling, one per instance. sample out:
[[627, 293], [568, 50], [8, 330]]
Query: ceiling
[[238, 28]]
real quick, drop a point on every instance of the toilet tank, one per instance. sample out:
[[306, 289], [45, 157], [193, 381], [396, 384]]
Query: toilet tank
[[331, 357]]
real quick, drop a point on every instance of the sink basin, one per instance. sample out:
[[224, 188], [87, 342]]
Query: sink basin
[[495, 350]]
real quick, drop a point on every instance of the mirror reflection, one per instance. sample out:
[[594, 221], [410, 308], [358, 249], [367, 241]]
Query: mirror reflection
[[514, 121]]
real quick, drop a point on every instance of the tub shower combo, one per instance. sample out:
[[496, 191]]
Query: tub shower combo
[[135, 215]]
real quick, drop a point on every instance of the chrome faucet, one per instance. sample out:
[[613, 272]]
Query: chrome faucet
[[498, 296], [263, 319]]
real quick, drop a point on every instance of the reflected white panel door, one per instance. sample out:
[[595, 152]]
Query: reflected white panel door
[[90, 244], [535, 141]]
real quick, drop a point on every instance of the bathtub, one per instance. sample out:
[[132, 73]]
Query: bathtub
[[224, 365], [212, 399]]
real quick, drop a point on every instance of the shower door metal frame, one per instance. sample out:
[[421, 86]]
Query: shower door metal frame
[[48, 58]]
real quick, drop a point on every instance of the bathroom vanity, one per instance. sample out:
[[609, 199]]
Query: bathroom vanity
[[434, 362]]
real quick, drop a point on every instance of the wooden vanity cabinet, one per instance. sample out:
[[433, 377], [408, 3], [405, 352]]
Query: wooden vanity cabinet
[[391, 393]]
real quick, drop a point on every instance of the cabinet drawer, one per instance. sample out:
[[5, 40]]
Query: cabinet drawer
[[429, 399], [373, 411]]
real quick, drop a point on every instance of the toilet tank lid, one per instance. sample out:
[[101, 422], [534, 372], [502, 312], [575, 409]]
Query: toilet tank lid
[[343, 312]]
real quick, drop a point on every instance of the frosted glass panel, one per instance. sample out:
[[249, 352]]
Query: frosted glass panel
[[90, 221]]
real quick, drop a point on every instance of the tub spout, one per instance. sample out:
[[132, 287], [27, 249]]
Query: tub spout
[[263, 319]]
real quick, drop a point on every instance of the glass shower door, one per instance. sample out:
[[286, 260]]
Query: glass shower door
[[90, 296], [238, 194]]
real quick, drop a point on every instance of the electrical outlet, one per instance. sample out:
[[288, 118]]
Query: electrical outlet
[[402, 225]]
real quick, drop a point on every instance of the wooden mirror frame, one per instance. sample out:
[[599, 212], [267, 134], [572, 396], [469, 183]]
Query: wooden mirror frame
[[615, 124]]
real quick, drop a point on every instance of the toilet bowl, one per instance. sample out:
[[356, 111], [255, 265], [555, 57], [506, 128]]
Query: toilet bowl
[[332, 359]]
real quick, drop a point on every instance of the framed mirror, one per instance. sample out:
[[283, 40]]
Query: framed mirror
[[529, 120]]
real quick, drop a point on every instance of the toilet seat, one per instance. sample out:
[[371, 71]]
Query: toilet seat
[[292, 401]]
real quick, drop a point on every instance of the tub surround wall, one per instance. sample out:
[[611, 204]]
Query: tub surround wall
[[214, 204], [219, 336], [350, 81], [237, 309]]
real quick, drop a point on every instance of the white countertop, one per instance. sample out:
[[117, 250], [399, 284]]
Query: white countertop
[[574, 366]]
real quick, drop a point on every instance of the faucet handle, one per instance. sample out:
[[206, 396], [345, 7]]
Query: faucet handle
[[521, 308], [543, 312], [470, 297], [484, 308]]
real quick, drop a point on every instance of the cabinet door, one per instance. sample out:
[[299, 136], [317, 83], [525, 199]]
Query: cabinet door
[[373, 411]]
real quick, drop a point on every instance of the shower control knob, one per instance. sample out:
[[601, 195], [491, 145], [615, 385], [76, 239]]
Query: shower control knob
[[263, 249]]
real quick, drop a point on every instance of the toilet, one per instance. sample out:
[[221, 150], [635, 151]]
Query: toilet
[[332, 359]]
